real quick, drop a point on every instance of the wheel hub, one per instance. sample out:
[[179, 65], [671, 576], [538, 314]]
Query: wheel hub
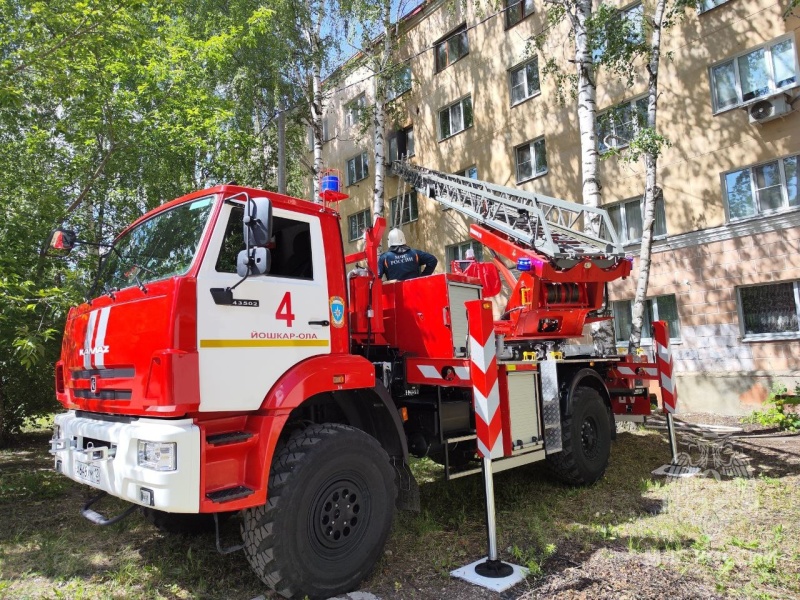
[[589, 438], [338, 517]]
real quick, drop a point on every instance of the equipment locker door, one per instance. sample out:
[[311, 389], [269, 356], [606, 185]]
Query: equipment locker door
[[276, 321]]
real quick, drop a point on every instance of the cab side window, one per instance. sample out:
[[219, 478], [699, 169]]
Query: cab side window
[[290, 248]]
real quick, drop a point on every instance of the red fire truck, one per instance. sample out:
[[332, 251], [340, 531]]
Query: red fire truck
[[228, 362]]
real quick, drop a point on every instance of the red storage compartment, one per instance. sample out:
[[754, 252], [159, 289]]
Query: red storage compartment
[[426, 316]]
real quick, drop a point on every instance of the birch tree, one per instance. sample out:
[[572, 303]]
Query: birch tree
[[377, 26]]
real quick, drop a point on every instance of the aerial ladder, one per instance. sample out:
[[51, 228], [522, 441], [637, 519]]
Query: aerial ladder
[[565, 253]]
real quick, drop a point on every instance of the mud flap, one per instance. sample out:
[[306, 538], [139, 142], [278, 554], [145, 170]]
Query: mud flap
[[407, 487]]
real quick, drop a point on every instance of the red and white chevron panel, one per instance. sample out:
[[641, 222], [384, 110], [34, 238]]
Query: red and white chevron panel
[[669, 393], [638, 371], [485, 388]]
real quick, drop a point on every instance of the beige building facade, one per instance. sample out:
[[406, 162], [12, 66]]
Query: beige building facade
[[726, 260]]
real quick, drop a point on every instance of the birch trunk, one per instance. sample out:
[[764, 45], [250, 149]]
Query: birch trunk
[[602, 331], [316, 126], [651, 164], [380, 83]]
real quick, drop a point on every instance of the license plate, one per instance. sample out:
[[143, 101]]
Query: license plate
[[87, 472]]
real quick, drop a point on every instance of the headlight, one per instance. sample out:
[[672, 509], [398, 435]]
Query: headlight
[[56, 431], [159, 456]]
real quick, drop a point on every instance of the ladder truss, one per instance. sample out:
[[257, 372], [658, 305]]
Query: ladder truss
[[552, 227]]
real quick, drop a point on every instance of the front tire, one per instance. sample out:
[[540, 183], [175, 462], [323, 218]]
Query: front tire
[[585, 440], [328, 513]]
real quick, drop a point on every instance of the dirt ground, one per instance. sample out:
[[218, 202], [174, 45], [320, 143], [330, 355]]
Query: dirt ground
[[611, 570], [731, 532]]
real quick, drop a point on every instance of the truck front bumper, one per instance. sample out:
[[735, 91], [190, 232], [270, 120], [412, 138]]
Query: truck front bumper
[[105, 454]]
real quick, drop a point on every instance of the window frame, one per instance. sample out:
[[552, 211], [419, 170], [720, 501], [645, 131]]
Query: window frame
[[393, 94], [354, 218], [624, 13], [448, 108], [444, 43], [701, 10], [623, 235], [652, 302], [786, 206], [636, 123], [364, 166], [413, 209], [354, 109], [464, 172], [507, 7], [766, 337], [734, 60], [531, 144], [522, 67], [392, 140], [461, 248]]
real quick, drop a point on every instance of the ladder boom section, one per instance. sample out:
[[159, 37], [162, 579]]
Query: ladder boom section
[[552, 227]]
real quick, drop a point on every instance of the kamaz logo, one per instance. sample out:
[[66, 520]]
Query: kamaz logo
[[95, 350]]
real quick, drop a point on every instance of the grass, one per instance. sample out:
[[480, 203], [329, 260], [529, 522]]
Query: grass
[[736, 537]]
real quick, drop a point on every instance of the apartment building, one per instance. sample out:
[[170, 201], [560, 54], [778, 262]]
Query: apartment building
[[473, 99]]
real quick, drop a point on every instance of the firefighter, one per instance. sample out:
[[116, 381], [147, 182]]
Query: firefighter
[[402, 262]]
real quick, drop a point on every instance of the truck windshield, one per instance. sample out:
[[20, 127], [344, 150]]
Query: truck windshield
[[157, 248]]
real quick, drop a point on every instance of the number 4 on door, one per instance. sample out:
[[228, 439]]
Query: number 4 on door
[[284, 311]]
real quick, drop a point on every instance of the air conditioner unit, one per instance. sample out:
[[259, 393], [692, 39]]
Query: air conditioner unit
[[768, 109]]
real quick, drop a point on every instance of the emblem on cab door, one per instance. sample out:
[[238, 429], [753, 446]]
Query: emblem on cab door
[[337, 311]]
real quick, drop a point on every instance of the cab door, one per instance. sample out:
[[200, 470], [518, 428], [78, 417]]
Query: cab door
[[276, 320]]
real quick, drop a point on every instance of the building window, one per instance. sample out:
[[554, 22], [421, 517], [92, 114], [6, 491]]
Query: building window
[[400, 84], [450, 49], [627, 219], [531, 160], [757, 73], [762, 189], [617, 126], [705, 5], [354, 110], [455, 118], [633, 21], [401, 144], [326, 136], [770, 311], [660, 308], [516, 10], [358, 223], [357, 168], [524, 81], [470, 172], [404, 209], [459, 252]]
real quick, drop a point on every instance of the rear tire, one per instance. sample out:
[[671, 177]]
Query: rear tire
[[585, 440], [328, 513]]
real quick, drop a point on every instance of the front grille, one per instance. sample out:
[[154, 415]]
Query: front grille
[[103, 394]]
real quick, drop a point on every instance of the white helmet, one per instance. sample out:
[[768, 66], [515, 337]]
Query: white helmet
[[396, 238]]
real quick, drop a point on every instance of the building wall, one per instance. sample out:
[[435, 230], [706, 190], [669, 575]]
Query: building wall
[[705, 256]]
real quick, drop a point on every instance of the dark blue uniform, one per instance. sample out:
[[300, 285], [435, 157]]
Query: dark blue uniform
[[402, 262]]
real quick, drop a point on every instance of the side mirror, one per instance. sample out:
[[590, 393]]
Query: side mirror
[[258, 222], [255, 262], [60, 242]]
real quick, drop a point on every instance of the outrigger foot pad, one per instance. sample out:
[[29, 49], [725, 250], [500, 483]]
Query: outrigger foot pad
[[494, 569]]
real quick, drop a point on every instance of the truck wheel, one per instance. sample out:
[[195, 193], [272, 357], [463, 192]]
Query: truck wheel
[[585, 440], [180, 523], [329, 509]]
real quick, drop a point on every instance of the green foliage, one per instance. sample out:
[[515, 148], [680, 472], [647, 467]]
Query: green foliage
[[778, 412], [108, 109]]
